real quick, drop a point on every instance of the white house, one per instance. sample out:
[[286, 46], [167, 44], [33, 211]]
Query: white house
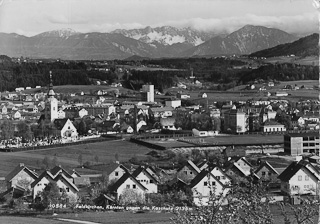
[[273, 126], [16, 115], [127, 181], [146, 179], [115, 171], [21, 175], [83, 112], [62, 182], [300, 178], [168, 123], [206, 185], [173, 103], [220, 175]]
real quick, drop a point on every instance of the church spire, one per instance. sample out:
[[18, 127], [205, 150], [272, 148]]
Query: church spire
[[51, 92]]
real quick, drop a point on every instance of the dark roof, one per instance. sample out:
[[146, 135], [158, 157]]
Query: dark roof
[[18, 169], [46, 174], [305, 134], [200, 176], [59, 123], [293, 168], [141, 169], [267, 165], [55, 170], [190, 164], [122, 179]]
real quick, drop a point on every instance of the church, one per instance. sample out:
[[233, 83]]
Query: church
[[51, 115]]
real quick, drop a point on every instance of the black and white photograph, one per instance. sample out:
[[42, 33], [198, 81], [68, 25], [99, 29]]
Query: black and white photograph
[[159, 111]]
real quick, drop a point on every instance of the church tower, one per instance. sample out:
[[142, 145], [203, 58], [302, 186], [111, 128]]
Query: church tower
[[51, 106]]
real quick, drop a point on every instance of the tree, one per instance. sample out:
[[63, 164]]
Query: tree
[[131, 197], [46, 162], [50, 195], [7, 129], [247, 203]]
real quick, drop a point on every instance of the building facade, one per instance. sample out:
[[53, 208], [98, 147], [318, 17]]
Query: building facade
[[299, 143]]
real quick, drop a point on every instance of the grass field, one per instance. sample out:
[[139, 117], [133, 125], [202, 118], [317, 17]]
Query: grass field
[[311, 60], [221, 140], [68, 156], [28, 220]]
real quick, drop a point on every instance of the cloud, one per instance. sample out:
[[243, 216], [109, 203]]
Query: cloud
[[108, 27], [63, 19]]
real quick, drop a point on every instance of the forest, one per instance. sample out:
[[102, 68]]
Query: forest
[[207, 70]]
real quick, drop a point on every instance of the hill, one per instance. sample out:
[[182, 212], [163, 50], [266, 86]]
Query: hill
[[306, 46]]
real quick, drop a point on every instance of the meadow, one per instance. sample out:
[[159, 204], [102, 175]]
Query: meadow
[[68, 156]]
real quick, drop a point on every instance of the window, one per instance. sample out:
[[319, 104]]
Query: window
[[205, 183], [134, 186], [67, 189], [116, 173], [60, 189], [269, 173], [306, 177], [191, 172], [128, 186], [151, 181], [300, 178], [218, 177], [223, 177], [213, 183], [263, 173], [305, 144]]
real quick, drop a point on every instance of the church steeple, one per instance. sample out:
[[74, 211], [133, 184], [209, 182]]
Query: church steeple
[[50, 91]]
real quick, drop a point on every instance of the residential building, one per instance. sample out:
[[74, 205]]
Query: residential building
[[235, 120], [21, 176], [188, 172], [127, 181], [299, 143], [173, 103], [273, 126], [266, 172], [146, 179], [168, 123], [300, 178], [206, 185], [66, 128]]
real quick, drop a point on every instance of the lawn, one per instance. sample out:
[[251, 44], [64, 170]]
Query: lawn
[[121, 217], [68, 156], [27, 220]]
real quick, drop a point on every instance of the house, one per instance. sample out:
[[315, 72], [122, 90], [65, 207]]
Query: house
[[82, 112], [203, 95], [115, 171], [281, 94], [21, 176], [204, 186], [273, 126], [3, 109], [220, 175], [16, 115], [63, 183], [168, 123], [266, 172], [300, 178], [243, 164], [270, 84], [55, 171], [188, 172], [162, 112], [66, 128], [173, 103], [128, 182], [61, 114], [297, 121], [146, 179]]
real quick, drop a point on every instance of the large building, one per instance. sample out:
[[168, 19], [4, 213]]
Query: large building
[[235, 121], [299, 143], [148, 93], [51, 105]]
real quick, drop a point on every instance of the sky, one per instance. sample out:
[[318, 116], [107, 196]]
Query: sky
[[31, 17]]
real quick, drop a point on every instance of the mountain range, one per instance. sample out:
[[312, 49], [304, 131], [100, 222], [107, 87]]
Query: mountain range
[[149, 42]]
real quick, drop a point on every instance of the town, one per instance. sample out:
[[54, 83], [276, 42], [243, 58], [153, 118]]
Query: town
[[195, 144]]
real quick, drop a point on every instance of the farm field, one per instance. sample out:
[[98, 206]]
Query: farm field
[[310, 60], [28, 220], [68, 156]]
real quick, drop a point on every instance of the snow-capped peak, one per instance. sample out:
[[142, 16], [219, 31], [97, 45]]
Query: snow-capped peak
[[66, 32]]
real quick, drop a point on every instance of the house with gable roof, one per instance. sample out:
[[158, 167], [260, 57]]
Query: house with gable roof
[[266, 172], [146, 179], [58, 169], [63, 183], [188, 172], [300, 178], [220, 175], [204, 185], [66, 128], [21, 175], [127, 181], [115, 171]]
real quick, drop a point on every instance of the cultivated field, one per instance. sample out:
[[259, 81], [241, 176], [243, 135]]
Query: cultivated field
[[68, 156], [311, 60]]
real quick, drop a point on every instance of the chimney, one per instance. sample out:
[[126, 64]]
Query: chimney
[[117, 162], [21, 164]]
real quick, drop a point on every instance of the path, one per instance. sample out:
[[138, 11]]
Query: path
[[77, 221]]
